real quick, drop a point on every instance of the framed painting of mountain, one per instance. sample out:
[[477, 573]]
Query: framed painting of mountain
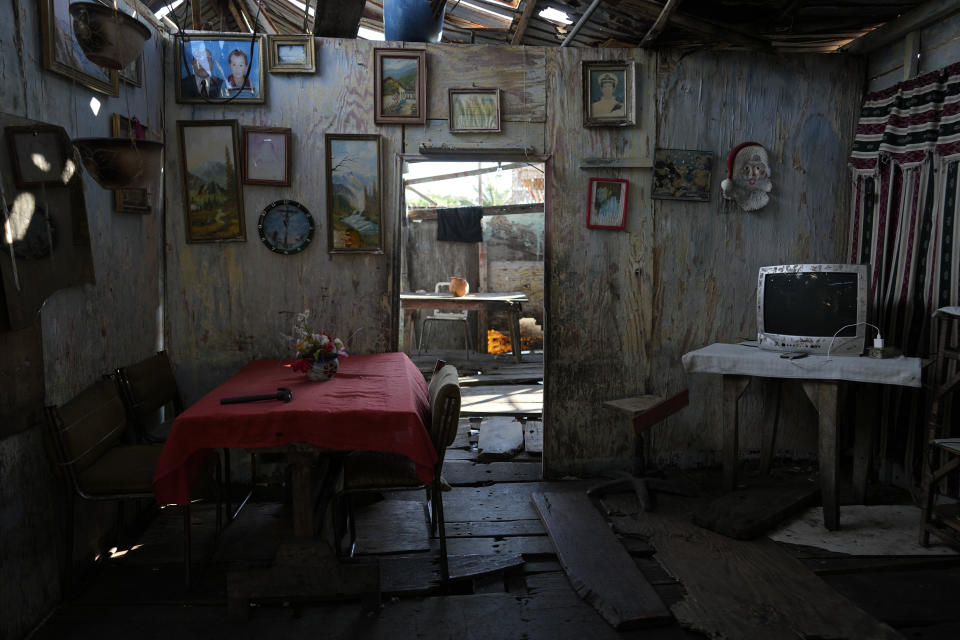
[[212, 200], [354, 203], [400, 86]]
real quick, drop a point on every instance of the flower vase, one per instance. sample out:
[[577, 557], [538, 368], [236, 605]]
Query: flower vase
[[323, 368]]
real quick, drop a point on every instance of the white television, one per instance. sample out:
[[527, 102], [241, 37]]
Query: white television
[[819, 309]]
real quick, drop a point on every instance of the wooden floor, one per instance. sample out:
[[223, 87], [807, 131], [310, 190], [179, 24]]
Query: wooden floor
[[509, 581]]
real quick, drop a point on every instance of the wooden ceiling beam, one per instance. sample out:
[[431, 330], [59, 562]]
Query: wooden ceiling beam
[[196, 11], [659, 24], [719, 31], [524, 21], [918, 18]]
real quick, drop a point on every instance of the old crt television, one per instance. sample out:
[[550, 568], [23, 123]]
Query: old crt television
[[813, 308]]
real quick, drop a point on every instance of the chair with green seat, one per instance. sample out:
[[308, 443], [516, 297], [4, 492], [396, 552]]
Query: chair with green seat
[[377, 472], [87, 438]]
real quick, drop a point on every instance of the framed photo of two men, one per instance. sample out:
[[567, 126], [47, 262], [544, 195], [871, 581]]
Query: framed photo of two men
[[219, 68]]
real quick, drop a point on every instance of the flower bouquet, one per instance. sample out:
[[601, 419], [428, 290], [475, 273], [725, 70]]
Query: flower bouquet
[[317, 353]]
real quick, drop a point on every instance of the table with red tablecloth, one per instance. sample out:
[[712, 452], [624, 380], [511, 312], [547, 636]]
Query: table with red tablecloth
[[375, 402]]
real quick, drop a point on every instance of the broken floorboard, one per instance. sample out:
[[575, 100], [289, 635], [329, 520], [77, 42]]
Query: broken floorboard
[[747, 590], [747, 513], [600, 569]]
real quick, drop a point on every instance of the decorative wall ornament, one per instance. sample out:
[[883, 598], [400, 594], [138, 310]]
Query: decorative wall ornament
[[748, 176]]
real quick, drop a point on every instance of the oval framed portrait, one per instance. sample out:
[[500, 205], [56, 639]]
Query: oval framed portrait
[[286, 227]]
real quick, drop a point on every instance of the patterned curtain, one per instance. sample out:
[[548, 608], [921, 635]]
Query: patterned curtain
[[904, 162], [903, 224]]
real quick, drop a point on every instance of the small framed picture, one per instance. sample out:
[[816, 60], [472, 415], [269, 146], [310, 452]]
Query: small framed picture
[[354, 204], [291, 54], [129, 200], [266, 155], [213, 69], [212, 198], [400, 86], [39, 155], [132, 74], [473, 110], [607, 203], [609, 94], [681, 174]]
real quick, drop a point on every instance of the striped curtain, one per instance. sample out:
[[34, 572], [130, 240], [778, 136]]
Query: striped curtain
[[904, 225], [903, 220]]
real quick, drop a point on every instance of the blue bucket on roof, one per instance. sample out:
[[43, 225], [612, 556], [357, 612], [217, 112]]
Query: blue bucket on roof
[[411, 21]]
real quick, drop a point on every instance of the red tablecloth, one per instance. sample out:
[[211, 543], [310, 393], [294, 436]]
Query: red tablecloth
[[375, 402]]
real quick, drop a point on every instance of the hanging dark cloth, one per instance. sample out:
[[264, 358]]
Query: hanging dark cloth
[[460, 224]]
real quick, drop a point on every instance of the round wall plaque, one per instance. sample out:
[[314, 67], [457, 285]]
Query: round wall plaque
[[286, 227]]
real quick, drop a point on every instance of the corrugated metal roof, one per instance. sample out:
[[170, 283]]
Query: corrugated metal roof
[[790, 26]]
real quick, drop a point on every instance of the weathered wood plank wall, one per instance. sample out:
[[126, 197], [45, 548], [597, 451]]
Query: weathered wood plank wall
[[803, 109], [935, 46], [81, 333]]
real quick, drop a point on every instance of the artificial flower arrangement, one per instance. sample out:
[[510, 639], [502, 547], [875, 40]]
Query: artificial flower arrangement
[[313, 346]]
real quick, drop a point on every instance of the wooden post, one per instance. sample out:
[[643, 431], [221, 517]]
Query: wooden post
[[733, 388]]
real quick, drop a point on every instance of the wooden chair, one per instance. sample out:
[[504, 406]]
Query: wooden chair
[[86, 434], [376, 472], [147, 387], [153, 401]]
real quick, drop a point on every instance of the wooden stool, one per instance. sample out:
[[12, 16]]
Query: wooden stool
[[644, 411]]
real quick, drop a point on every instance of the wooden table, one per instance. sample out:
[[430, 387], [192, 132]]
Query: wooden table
[[375, 402], [821, 377], [511, 302]]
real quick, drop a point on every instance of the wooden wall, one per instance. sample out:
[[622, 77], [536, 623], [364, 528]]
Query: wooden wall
[[625, 307], [80, 334], [919, 52]]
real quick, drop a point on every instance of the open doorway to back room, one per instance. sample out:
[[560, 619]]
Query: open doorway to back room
[[482, 222]]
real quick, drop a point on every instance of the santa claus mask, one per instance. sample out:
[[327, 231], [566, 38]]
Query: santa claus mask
[[748, 177]]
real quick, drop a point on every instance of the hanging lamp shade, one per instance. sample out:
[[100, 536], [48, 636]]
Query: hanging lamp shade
[[107, 37], [121, 163]]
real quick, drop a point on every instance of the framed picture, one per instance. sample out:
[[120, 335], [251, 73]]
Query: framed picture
[[609, 94], [354, 204], [38, 154], [266, 155], [681, 174], [218, 68], [62, 53], [291, 54], [133, 73], [400, 86], [474, 110], [128, 200], [212, 201], [607, 203]]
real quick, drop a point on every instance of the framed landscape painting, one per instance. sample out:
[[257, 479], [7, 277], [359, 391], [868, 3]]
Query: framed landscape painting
[[400, 86], [291, 54], [354, 203], [212, 201]]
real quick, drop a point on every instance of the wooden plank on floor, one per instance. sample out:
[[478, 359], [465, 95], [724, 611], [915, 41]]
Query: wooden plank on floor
[[392, 526], [495, 529], [466, 472], [507, 501], [748, 589], [519, 545], [502, 400], [747, 513], [600, 569]]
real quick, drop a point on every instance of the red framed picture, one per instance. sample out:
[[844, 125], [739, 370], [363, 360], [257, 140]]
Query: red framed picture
[[607, 203]]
